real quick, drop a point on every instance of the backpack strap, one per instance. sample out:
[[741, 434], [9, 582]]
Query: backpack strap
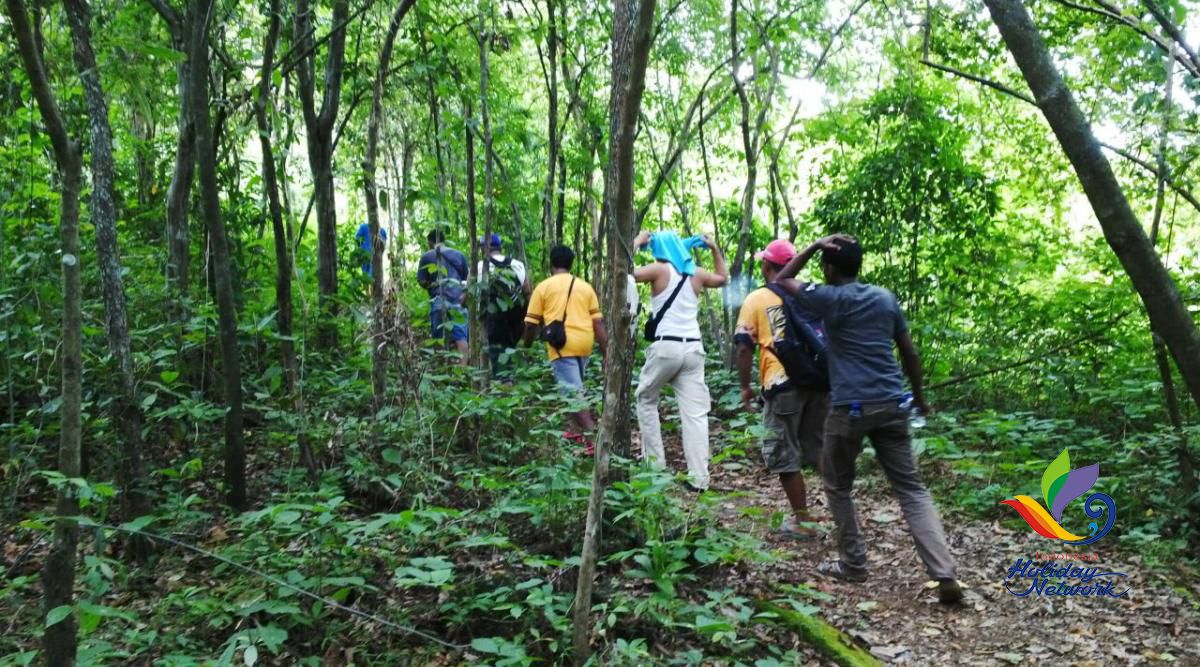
[[507, 262]]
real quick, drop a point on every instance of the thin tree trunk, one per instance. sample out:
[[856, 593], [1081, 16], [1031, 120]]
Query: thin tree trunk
[[103, 208], [283, 260], [180, 191], [553, 233], [474, 327], [319, 133], [1187, 465], [718, 327], [210, 201], [751, 155], [632, 21], [60, 640], [489, 171], [1158, 291], [378, 356], [406, 165]]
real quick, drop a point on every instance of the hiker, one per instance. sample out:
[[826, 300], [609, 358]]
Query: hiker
[[502, 304], [861, 324], [363, 236], [795, 392], [567, 313], [676, 354], [442, 271]]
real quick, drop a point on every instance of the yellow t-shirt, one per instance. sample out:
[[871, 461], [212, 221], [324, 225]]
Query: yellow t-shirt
[[763, 319], [549, 302]]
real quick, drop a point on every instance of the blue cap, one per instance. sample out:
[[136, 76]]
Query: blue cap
[[496, 242]]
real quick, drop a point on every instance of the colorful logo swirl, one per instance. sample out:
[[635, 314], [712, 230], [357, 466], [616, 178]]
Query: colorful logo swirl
[[1061, 485]]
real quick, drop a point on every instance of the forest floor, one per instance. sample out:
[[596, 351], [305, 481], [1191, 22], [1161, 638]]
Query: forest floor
[[895, 614]]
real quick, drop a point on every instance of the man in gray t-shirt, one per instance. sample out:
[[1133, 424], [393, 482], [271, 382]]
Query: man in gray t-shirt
[[862, 322]]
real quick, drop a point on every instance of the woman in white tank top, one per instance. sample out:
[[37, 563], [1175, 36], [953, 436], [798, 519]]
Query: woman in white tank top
[[676, 357]]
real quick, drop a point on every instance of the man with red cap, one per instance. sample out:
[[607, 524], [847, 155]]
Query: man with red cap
[[794, 408]]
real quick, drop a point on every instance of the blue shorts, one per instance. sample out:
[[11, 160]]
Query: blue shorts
[[568, 373], [448, 320]]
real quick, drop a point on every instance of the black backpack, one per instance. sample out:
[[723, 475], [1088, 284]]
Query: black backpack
[[503, 303], [803, 350]]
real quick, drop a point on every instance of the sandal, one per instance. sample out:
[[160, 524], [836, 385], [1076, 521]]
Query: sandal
[[838, 570], [791, 528]]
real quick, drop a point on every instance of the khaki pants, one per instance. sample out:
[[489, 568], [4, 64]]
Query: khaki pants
[[682, 366], [887, 427]]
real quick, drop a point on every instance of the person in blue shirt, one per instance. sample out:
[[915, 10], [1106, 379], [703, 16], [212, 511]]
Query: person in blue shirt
[[442, 271], [864, 325], [363, 236]]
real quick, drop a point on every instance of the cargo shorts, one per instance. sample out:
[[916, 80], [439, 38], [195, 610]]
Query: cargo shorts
[[794, 420]]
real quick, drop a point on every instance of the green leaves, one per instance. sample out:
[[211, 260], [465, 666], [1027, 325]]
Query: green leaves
[[56, 615]]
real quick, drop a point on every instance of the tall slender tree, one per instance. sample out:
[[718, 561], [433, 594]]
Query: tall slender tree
[[60, 640], [631, 41], [210, 206], [371, 190], [180, 190], [283, 257], [319, 125], [103, 209]]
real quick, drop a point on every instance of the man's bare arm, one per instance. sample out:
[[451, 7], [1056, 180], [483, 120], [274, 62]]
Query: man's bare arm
[[601, 335]]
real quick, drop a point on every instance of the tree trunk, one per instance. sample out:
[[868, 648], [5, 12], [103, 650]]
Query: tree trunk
[[1168, 314], [60, 640], [378, 356], [474, 322], [1187, 465], [632, 20], [751, 155], [103, 208], [180, 190], [210, 205], [319, 133], [553, 235], [283, 259], [489, 171]]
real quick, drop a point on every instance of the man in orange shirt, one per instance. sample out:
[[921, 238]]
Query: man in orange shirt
[[794, 408], [563, 298]]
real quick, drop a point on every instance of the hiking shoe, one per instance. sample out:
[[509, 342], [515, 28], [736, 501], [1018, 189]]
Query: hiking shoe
[[791, 528], [949, 591], [838, 570]]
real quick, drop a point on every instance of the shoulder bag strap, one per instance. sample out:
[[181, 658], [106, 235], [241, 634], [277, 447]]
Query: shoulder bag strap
[[671, 299], [567, 303]]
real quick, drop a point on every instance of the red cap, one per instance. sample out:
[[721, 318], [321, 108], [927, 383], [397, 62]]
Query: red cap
[[777, 252]]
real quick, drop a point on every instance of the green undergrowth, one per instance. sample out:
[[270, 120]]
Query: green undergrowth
[[975, 460], [441, 534]]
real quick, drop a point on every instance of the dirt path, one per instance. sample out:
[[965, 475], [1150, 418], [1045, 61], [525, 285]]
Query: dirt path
[[897, 617]]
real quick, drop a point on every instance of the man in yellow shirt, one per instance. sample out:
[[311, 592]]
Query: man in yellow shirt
[[794, 408], [563, 298]]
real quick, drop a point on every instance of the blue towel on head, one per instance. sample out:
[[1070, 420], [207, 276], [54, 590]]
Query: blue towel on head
[[669, 247]]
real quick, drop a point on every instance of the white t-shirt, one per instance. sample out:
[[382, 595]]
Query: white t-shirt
[[517, 266]]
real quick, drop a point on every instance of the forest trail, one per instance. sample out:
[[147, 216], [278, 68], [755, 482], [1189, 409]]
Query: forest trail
[[897, 618]]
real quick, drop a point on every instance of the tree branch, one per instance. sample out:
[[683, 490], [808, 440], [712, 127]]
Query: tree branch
[[1171, 29], [1175, 187], [980, 80]]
